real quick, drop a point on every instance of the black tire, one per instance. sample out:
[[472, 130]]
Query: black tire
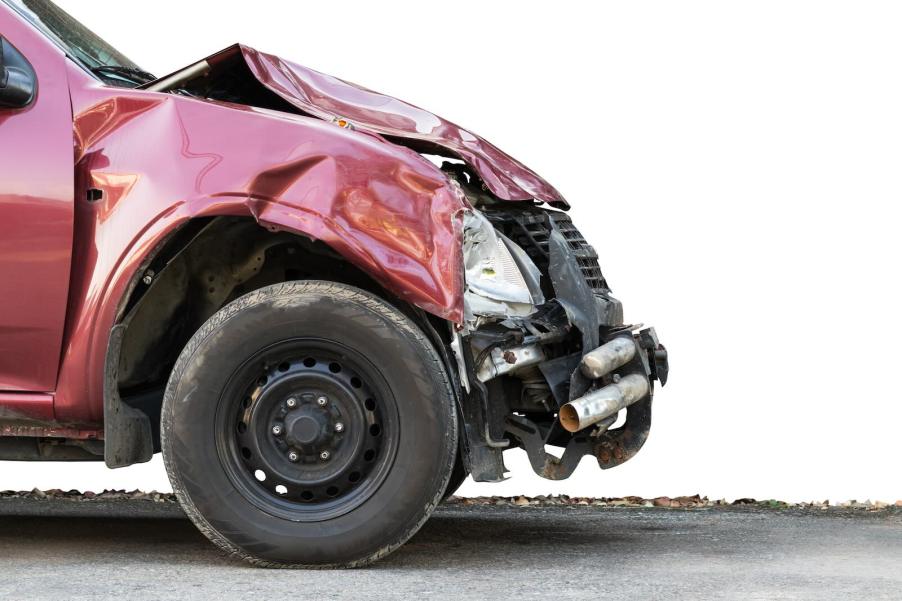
[[459, 473], [277, 378]]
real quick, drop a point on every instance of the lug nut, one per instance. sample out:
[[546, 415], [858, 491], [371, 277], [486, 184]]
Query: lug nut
[[321, 401], [325, 455], [277, 430], [292, 403], [292, 456], [339, 427]]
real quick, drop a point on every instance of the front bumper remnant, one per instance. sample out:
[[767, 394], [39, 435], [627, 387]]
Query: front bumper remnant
[[611, 447], [557, 372]]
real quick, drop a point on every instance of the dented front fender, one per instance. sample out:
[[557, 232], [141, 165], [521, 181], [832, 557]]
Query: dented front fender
[[148, 162]]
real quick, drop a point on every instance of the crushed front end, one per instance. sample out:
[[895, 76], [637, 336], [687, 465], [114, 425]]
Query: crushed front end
[[544, 355]]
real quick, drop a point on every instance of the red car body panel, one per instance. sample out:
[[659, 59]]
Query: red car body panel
[[333, 99], [36, 207], [381, 206]]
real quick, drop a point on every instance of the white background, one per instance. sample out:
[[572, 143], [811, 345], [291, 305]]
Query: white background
[[737, 166]]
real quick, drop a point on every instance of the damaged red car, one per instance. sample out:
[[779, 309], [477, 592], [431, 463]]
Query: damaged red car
[[325, 306]]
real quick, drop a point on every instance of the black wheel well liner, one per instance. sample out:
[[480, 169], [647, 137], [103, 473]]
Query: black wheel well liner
[[194, 272]]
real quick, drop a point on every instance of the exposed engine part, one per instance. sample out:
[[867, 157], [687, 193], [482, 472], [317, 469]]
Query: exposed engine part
[[535, 391], [602, 403], [608, 357], [504, 361]]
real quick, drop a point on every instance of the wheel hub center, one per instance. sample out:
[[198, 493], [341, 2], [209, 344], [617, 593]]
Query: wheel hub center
[[305, 429], [308, 427]]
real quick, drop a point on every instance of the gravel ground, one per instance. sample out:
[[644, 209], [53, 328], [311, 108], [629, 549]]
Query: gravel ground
[[56, 547]]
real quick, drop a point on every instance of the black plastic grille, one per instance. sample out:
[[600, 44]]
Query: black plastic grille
[[530, 229], [586, 256]]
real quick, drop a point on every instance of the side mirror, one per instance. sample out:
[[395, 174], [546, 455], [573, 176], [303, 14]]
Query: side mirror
[[17, 80]]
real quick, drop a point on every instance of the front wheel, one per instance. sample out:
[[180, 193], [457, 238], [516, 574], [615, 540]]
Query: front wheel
[[309, 424]]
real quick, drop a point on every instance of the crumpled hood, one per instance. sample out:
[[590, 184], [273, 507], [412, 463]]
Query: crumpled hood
[[333, 99]]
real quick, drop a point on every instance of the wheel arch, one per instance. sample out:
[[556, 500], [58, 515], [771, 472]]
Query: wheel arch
[[194, 271], [386, 209]]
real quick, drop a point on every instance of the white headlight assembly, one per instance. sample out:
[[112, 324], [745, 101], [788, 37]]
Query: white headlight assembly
[[501, 279]]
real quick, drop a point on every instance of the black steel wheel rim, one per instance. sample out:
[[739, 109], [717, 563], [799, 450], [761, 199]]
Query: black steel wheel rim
[[307, 429]]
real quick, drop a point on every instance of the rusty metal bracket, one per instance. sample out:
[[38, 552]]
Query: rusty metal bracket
[[618, 446], [543, 463], [48, 430]]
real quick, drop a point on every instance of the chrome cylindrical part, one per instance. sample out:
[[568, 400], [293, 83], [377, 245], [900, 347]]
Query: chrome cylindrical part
[[608, 357], [605, 402], [504, 361]]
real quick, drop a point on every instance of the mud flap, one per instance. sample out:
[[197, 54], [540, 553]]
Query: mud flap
[[127, 433]]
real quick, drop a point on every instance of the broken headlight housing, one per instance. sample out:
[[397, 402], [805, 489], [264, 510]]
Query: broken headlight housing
[[501, 280]]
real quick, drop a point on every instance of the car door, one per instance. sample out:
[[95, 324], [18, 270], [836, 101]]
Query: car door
[[36, 208]]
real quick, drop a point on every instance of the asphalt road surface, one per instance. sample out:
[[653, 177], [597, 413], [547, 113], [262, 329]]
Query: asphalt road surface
[[142, 550]]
